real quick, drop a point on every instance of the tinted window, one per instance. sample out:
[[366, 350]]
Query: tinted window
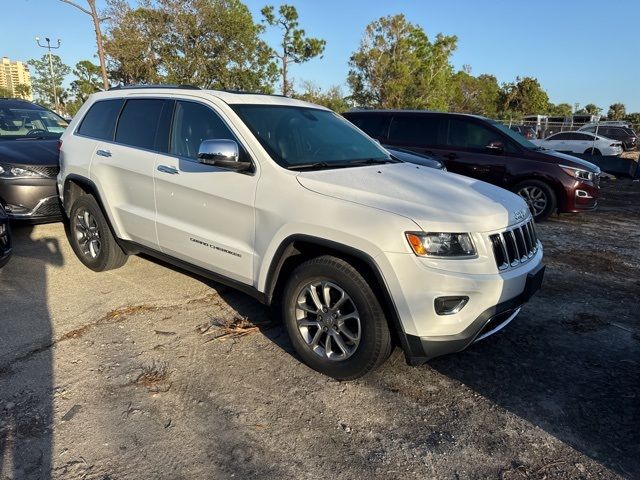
[[415, 129], [138, 123], [373, 125], [581, 136], [193, 123], [467, 134], [100, 120]]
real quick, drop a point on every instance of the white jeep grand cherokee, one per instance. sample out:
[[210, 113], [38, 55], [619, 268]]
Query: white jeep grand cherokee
[[289, 202]]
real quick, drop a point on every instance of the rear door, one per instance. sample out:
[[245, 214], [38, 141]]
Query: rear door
[[124, 169], [576, 142], [205, 214]]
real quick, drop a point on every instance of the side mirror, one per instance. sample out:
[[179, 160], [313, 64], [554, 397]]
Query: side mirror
[[495, 147], [221, 153]]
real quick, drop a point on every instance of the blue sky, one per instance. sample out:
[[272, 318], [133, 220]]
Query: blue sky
[[555, 41]]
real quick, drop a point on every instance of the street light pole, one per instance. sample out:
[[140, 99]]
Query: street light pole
[[53, 80]]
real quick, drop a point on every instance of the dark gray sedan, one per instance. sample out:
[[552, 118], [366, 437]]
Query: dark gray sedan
[[29, 163]]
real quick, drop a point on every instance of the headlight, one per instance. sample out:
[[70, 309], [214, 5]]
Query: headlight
[[10, 171], [577, 173], [441, 244]]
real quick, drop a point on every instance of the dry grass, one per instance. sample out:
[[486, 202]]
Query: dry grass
[[155, 377], [222, 328]]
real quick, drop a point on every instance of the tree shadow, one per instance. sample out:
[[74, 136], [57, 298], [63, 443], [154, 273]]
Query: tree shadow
[[26, 357]]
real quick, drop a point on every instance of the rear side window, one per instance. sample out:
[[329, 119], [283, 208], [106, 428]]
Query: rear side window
[[138, 123], [100, 121], [373, 125], [416, 130]]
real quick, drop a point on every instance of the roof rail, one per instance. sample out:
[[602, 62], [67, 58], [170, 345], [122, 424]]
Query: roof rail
[[243, 92], [142, 86]]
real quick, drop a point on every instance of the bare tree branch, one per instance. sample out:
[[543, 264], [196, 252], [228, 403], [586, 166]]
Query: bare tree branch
[[74, 4]]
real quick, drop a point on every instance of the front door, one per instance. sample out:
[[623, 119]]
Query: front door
[[205, 214], [467, 153]]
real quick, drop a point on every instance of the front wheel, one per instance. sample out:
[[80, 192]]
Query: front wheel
[[539, 197], [592, 151], [334, 319]]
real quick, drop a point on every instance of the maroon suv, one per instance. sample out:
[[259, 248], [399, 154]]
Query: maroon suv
[[487, 150]]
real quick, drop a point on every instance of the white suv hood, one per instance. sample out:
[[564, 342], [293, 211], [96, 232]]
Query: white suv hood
[[435, 200]]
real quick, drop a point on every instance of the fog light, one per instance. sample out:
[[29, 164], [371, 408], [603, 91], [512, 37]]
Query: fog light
[[449, 305], [582, 194]]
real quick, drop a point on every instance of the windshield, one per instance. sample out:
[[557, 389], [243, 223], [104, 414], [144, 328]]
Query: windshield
[[518, 138], [19, 119], [302, 136]]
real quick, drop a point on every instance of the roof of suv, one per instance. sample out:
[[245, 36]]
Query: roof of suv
[[376, 110], [226, 96]]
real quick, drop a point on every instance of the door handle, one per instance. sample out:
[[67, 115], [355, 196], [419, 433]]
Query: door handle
[[103, 153], [168, 169]]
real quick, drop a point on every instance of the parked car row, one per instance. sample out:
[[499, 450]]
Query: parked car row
[[581, 142], [487, 150]]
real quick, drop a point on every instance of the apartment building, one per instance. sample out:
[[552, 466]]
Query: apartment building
[[13, 74]]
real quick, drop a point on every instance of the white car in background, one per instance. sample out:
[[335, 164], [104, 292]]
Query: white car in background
[[580, 142]]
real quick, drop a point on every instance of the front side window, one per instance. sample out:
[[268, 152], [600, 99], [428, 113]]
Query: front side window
[[100, 121], [415, 130], [138, 123], [304, 136], [192, 124], [466, 134]]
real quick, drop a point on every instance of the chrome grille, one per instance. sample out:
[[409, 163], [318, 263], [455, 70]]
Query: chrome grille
[[514, 246]]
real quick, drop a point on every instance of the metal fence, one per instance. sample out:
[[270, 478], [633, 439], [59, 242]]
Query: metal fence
[[545, 128]]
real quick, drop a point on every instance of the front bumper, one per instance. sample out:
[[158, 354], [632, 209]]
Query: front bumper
[[33, 200], [489, 322], [580, 196], [414, 285]]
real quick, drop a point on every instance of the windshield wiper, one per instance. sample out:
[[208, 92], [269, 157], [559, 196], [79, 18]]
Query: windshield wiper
[[375, 161], [318, 165]]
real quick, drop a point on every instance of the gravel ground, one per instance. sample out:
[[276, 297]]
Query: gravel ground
[[147, 372]]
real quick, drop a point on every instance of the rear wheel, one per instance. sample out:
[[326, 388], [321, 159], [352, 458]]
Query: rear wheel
[[91, 238], [539, 197], [334, 319]]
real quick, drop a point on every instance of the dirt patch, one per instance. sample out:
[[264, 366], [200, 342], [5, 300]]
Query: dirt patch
[[586, 322], [597, 261]]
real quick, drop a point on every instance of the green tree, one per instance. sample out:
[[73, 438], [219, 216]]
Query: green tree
[[207, 43], [88, 80], [477, 95], [560, 110], [295, 46], [523, 97], [617, 111], [23, 90], [42, 83], [592, 109], [332, 98], [397, 66]]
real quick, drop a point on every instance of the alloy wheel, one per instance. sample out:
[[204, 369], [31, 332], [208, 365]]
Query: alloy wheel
[[87, 234], [535, 197], [328, 320]]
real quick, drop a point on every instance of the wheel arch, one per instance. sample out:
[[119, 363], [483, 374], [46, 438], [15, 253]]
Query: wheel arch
[[555, 185], [298, 248]]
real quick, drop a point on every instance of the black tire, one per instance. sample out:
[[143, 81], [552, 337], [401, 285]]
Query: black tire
[[594, 151], [374, 345], [551, 203], [106, 254]]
